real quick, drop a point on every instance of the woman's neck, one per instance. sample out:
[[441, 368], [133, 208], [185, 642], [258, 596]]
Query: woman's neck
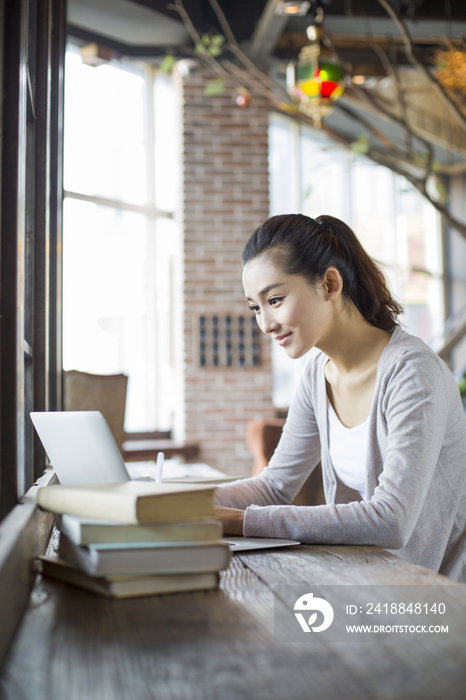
[[353, 344]]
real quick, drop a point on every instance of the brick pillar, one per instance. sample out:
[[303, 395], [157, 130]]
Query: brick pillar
[[225, 193]]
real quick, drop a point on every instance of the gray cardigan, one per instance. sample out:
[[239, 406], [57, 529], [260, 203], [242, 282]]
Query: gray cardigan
[[415, 467]]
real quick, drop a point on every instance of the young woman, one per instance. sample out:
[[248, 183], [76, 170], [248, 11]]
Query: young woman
[[375, 405]]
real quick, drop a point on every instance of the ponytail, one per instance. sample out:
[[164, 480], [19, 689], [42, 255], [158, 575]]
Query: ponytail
[[303, 246]]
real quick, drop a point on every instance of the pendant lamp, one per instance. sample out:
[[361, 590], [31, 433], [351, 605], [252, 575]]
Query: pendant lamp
[[315, 81]]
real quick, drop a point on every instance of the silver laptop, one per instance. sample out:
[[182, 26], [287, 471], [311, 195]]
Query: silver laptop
[[82, 450], [80, 446], [245, 544]]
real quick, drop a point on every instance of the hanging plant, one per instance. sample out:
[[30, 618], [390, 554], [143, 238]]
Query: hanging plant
[[451, 68], [167, 64], [214, 87], [212, 43], [462, 387]]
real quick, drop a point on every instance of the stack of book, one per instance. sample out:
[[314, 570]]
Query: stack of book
[[135, 538]]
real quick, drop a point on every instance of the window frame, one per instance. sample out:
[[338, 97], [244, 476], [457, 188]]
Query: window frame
[[31, 119], [154, 214], [30, 265]]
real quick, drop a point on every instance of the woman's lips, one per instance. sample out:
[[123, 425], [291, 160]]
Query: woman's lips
[[283, 339]]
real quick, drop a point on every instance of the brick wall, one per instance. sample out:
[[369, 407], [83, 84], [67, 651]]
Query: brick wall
[[225, 193]]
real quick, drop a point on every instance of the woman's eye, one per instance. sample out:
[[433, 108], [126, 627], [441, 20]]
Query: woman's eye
[[274, 300], [254, 308]]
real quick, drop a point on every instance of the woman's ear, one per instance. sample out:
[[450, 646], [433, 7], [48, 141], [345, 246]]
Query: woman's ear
[[333, 283]]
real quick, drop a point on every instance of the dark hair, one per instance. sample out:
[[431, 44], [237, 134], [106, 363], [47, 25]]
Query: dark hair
[[303, 246]]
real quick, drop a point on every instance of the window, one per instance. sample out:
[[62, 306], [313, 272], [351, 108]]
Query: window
[[30, 118], [396, 225], [120, 232]]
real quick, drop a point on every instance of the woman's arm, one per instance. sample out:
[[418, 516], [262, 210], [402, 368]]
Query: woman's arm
[[296, 455], [232, 520], [416, 407]]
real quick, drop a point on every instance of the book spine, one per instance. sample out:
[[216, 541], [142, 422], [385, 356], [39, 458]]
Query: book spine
[[96, 504], [82, 533], [177, 558], [87, 559]]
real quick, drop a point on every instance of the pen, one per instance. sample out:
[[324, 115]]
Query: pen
[[158, 474]]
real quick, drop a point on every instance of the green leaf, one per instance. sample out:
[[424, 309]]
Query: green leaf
[[462, 386], [216, 44], [307, 193], [218, 39], [211, 44], [441, 189], [361, 145], [214, 87], [214, 50], [167, 64], [421, 161]]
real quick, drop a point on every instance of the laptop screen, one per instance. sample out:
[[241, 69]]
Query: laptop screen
[[80, 446]]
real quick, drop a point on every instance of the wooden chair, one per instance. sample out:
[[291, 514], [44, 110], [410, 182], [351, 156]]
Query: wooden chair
[[262, 437], [107, 393]]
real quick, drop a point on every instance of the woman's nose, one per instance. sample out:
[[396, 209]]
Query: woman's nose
[[267, 323]]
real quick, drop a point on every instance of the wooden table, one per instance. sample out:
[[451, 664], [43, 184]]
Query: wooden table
[[220, 645]]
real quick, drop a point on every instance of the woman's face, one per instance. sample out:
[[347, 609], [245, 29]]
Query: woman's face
[[295, 314]]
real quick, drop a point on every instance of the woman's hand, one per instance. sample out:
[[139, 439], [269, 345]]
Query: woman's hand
[[232, 520]]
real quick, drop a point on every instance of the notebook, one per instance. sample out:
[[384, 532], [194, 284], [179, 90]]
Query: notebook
[[80, 446], [82, 450]]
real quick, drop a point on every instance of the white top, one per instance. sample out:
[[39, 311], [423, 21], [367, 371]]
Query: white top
[[348, 450]]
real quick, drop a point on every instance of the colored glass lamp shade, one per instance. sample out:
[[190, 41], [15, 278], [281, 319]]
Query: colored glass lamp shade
[[317, 80], [324, 81], [318, 75]]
